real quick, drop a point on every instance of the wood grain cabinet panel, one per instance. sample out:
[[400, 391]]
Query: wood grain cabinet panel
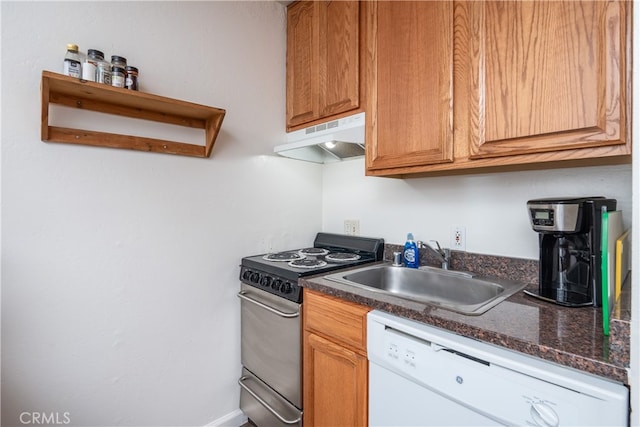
[[335, 384], [323, 60], [464, 85], [409, 84], [335, 365], [548, 76], [343, 322], [302, 63]]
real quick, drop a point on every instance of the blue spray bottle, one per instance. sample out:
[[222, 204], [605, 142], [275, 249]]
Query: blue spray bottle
[[411, 257]]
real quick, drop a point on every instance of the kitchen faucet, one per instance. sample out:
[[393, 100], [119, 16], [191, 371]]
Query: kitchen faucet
[[443, 255]]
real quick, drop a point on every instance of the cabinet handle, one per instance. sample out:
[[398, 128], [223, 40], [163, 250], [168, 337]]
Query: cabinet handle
[[265, 404], [244, 296]]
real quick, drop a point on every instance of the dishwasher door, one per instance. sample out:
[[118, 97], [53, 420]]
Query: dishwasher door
[[397, 401], [424, 376]]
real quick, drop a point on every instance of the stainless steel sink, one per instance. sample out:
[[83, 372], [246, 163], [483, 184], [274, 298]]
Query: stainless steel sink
[[458, 291]]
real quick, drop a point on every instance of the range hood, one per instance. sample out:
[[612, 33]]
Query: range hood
[[337, 140]]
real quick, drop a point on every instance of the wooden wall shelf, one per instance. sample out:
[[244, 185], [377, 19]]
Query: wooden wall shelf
[[75, 93]]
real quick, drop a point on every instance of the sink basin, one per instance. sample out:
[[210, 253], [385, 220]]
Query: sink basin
[[457, 291]]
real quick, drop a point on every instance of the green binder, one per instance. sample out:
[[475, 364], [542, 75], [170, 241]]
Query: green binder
[[604, 272]]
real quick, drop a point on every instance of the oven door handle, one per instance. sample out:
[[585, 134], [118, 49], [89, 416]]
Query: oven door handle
[[243, 295], [265, 404]]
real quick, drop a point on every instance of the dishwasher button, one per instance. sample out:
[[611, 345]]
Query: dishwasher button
[[393, 351], [410, 358]]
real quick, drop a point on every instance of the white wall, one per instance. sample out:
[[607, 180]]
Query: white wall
[[491, 207], [119, 268]]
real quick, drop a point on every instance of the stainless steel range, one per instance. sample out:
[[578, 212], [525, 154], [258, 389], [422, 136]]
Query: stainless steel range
[[271, 299]]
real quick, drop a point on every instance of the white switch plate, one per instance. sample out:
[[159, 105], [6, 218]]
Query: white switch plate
[[352, 227]]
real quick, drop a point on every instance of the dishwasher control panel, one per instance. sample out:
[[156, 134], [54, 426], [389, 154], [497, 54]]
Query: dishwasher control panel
[[398, 354], [447, 375]]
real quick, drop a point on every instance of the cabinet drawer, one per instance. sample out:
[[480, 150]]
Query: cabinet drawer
[[343, 321]]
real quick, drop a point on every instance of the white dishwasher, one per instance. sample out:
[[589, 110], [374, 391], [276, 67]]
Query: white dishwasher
[[420, 375]]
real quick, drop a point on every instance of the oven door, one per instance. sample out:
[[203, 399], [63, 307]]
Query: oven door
[[270, 341], [263, 406]]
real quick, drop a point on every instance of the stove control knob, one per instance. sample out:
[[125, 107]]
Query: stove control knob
[[286, 288], [255, 277], [276, 284], [246, 275], [265, 281]]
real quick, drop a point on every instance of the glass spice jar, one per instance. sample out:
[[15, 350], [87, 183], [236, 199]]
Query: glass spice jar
[[118, 61], [90, 65], [132, 78], [103, 72], [118, 76]]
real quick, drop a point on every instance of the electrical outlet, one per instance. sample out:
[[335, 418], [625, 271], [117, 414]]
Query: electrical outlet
[[352, 227], [458, 238]]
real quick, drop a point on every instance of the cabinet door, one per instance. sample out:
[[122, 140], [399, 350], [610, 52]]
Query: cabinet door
[[302, 63], [323, 64], [546, 76], [335, 384], [410, 83], [339, 63]]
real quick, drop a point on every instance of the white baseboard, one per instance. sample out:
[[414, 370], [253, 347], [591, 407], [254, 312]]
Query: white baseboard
[[232, 419]]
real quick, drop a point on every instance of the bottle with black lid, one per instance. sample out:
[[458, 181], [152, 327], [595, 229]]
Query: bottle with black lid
[[90, 65], [118, 76], [118, 61], [118, 71], [132, 78]]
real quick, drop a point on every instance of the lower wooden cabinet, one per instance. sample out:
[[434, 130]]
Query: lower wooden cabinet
[[335, 384], [335, 366]]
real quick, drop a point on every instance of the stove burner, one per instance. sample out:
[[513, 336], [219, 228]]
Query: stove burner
[[283, 256], [307, 263], [313, 251], [342, 257]]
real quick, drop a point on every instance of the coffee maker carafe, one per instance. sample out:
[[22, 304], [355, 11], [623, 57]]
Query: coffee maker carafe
[[570, 233]]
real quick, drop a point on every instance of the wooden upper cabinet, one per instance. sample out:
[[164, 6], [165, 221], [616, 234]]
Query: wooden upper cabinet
[[302, 63], [546, 76], [463, 85], [323, 60], [409, 83]]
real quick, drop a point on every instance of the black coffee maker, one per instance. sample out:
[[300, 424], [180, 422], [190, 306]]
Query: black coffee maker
[[570, 249]]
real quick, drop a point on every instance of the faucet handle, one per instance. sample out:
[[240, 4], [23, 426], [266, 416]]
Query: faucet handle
[[437, 244]]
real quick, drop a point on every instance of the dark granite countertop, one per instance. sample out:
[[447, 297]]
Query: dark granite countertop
[[572, 337]]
